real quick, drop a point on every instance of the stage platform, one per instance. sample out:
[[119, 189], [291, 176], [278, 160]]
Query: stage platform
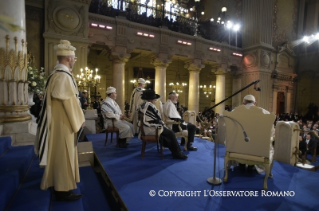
[[170, 184]]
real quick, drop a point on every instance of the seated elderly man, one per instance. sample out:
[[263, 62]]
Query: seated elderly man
[[152, 120], [170, 111], [248, 101], [110, 109]]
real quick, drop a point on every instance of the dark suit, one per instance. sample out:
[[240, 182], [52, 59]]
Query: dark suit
[[312, 144]]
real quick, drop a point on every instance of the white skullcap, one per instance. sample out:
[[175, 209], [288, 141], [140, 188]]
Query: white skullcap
[[85, 91], [110, 90], [64, 48], [250, 98], [141, 81]]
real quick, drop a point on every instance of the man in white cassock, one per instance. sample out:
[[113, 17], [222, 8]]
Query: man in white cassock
[[170, 111], [135, 101], [248, 101], [110, 109], [60, 119]]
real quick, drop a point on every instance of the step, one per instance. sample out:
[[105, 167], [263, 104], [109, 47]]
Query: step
[[93, 190], [29, 195], [13, 166], [5, 144]]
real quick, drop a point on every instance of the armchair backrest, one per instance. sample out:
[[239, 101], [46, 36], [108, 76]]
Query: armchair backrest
[[258, 127], [190, 116], [287, 139]]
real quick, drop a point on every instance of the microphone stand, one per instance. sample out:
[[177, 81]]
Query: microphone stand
[[215, 180]]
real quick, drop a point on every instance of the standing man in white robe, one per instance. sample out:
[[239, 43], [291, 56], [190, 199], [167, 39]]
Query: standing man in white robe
[[135, 101], [170, 111], [110, 109], [60, 119]]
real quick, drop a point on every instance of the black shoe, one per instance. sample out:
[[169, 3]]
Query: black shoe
[[182, 141], [250, 168], [242, 167], [180, 155], [122, 143], [66, 196], [191, 148]]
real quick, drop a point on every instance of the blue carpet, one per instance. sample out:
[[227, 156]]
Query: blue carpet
[[5, 143], [94, 196], [13, 166], [30, 196], [135, 178]]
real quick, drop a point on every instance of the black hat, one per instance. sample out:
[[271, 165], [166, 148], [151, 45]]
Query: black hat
[[149, 95]]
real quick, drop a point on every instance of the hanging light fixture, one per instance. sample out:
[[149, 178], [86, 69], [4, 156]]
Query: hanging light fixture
[[140, 74], [178, 85]]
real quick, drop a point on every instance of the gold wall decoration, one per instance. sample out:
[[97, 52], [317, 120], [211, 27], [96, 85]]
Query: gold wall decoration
[[13, 71]]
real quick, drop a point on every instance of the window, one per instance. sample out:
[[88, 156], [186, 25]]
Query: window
[[170, 10], [150, 5]]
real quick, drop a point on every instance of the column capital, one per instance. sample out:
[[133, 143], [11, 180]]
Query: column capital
[[160, 62], [194, 66], [120, 57], [220, 71]]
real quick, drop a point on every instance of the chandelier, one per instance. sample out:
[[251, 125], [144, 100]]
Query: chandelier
[[140, 74], [178, 86], [208, 90], [88, 78]]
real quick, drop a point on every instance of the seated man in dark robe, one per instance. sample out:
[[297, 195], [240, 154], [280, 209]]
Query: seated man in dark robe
[[152, 121]]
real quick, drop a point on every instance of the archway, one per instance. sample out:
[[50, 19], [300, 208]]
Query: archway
[[280, 103]]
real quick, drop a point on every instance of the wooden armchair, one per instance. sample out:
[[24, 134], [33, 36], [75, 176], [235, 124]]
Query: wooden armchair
[[112, 129], [169, 123], [259, 128], [148, 138]]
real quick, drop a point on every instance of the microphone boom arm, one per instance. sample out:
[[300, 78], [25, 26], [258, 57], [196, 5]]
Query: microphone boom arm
[[246, 87]]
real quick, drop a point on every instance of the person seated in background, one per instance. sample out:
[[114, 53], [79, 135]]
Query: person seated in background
[[97, 105], [152, 120], [110, 109], [307, 145], [83, 100], [171, 112]]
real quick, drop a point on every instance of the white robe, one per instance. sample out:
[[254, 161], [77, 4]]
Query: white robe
[[110, 109], [60, 119], [135, 101], [170, 110]]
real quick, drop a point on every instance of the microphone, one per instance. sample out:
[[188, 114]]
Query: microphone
[[257, 88], [247, 139]]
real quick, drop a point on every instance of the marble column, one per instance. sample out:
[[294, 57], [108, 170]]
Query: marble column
[[13, 64], [119, 61], [274, 101], [237, 99], [193, 93], [160, 77], [220, 90]]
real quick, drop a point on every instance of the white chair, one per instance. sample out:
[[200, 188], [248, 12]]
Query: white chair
[[169, 123], [190, 117], [287, 142], [259, 129]]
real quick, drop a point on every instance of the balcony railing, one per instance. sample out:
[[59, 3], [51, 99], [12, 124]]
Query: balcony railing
[[154, 16]]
